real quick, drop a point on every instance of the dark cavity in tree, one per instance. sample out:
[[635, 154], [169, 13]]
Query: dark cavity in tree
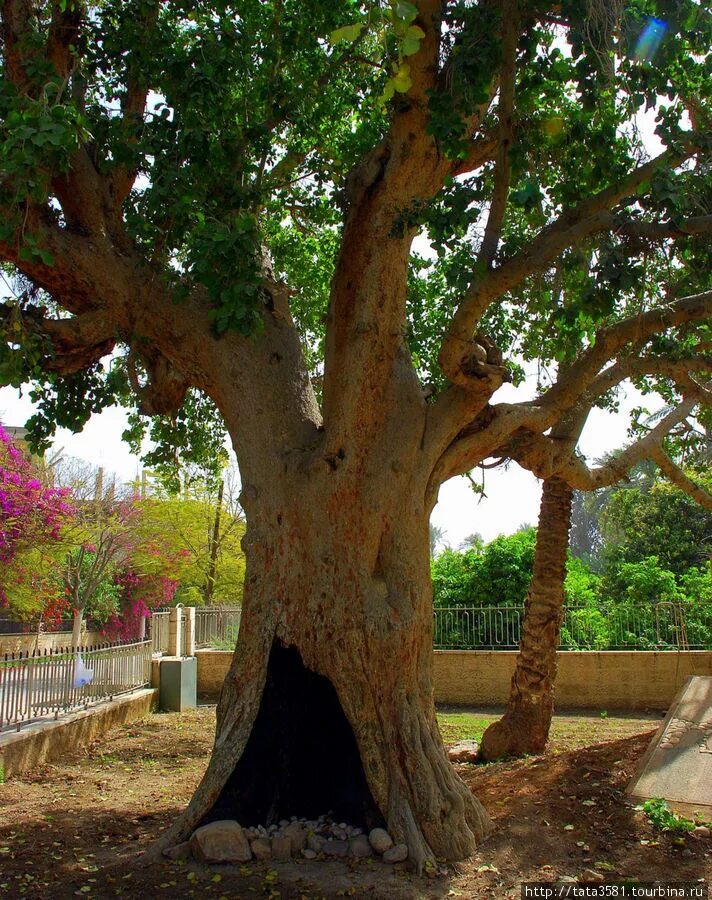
[[301, 758]]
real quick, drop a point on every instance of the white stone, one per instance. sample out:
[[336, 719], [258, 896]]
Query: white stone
[[380, 840], [309, 854], [180, 851], [336, 848], [464, 752], [396, 854], [315, 842], [590, 876], [222, 841]]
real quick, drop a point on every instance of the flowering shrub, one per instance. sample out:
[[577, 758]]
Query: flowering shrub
[[30, 515], [28, 511], [139, 595]]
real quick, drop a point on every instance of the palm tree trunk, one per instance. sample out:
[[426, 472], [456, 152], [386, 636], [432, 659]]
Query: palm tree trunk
[[524, 728]]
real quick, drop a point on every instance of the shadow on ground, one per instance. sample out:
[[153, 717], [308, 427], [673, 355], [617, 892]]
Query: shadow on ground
[[100, 856]]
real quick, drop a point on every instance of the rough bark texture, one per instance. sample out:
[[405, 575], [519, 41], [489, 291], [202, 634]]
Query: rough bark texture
[[524, 728], [338, 569]]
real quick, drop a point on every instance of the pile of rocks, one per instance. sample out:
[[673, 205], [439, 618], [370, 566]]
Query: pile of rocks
[[228, 842]]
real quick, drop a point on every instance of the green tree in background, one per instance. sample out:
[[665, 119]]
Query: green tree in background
[[662, 521]]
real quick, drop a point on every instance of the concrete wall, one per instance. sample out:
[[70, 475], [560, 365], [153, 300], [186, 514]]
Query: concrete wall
[[14, 643], [48, 740], [586, 680]]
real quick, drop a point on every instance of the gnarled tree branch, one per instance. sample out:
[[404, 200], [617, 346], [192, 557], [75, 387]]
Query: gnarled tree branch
[[676, 476], [571, 227], [545, 456], [165, 389], [16, 16], [64, 35], [611, 340], [502, 172]]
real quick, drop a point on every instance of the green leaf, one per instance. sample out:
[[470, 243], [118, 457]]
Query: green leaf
[[402, 82], [406, 11], [409, 46], [346, 33], [389, 90]]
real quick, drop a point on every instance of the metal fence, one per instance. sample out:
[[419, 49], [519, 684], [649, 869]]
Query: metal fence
[[159, 630], [662, 626], [40, 684], [217, 627]]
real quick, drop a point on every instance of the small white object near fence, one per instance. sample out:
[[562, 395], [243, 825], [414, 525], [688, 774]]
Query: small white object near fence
[[40, 684]]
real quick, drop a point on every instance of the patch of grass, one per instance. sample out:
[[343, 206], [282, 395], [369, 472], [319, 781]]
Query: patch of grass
[[109, 759], [567, 731], [462, 726], [2, 773], [663, 818]]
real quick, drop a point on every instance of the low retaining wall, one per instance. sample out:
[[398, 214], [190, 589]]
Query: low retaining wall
[[607, 679], [213, 666], [16, 643], [49, 740]]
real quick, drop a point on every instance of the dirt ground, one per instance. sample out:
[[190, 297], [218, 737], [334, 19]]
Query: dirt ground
[[79, 828]]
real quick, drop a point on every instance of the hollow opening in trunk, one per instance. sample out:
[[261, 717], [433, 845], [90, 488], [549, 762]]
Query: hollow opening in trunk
[[301, 758]]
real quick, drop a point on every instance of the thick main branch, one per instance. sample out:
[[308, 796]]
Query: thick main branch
[[571, 227]]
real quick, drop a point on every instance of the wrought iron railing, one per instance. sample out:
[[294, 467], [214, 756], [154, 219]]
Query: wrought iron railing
[[217, 627], [160, 630], [45, 683], [661, 626]]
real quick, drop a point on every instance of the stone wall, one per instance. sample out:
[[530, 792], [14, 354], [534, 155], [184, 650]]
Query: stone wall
[[14, 643], [587, 680], [212, 669], [608, 679]]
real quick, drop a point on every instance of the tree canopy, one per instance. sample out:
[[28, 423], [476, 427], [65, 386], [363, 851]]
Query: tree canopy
[[159, 154]]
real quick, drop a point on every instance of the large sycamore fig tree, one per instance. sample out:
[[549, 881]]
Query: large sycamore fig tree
[[226, 196]]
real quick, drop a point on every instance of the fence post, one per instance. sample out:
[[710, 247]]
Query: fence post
[[189, 638], [174, 631]]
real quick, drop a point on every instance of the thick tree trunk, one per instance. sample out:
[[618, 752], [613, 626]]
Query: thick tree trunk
[[329, 701], [524, 728]]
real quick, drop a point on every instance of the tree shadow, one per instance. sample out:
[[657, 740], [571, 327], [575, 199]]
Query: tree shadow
[[99, 855], [569, 811]]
